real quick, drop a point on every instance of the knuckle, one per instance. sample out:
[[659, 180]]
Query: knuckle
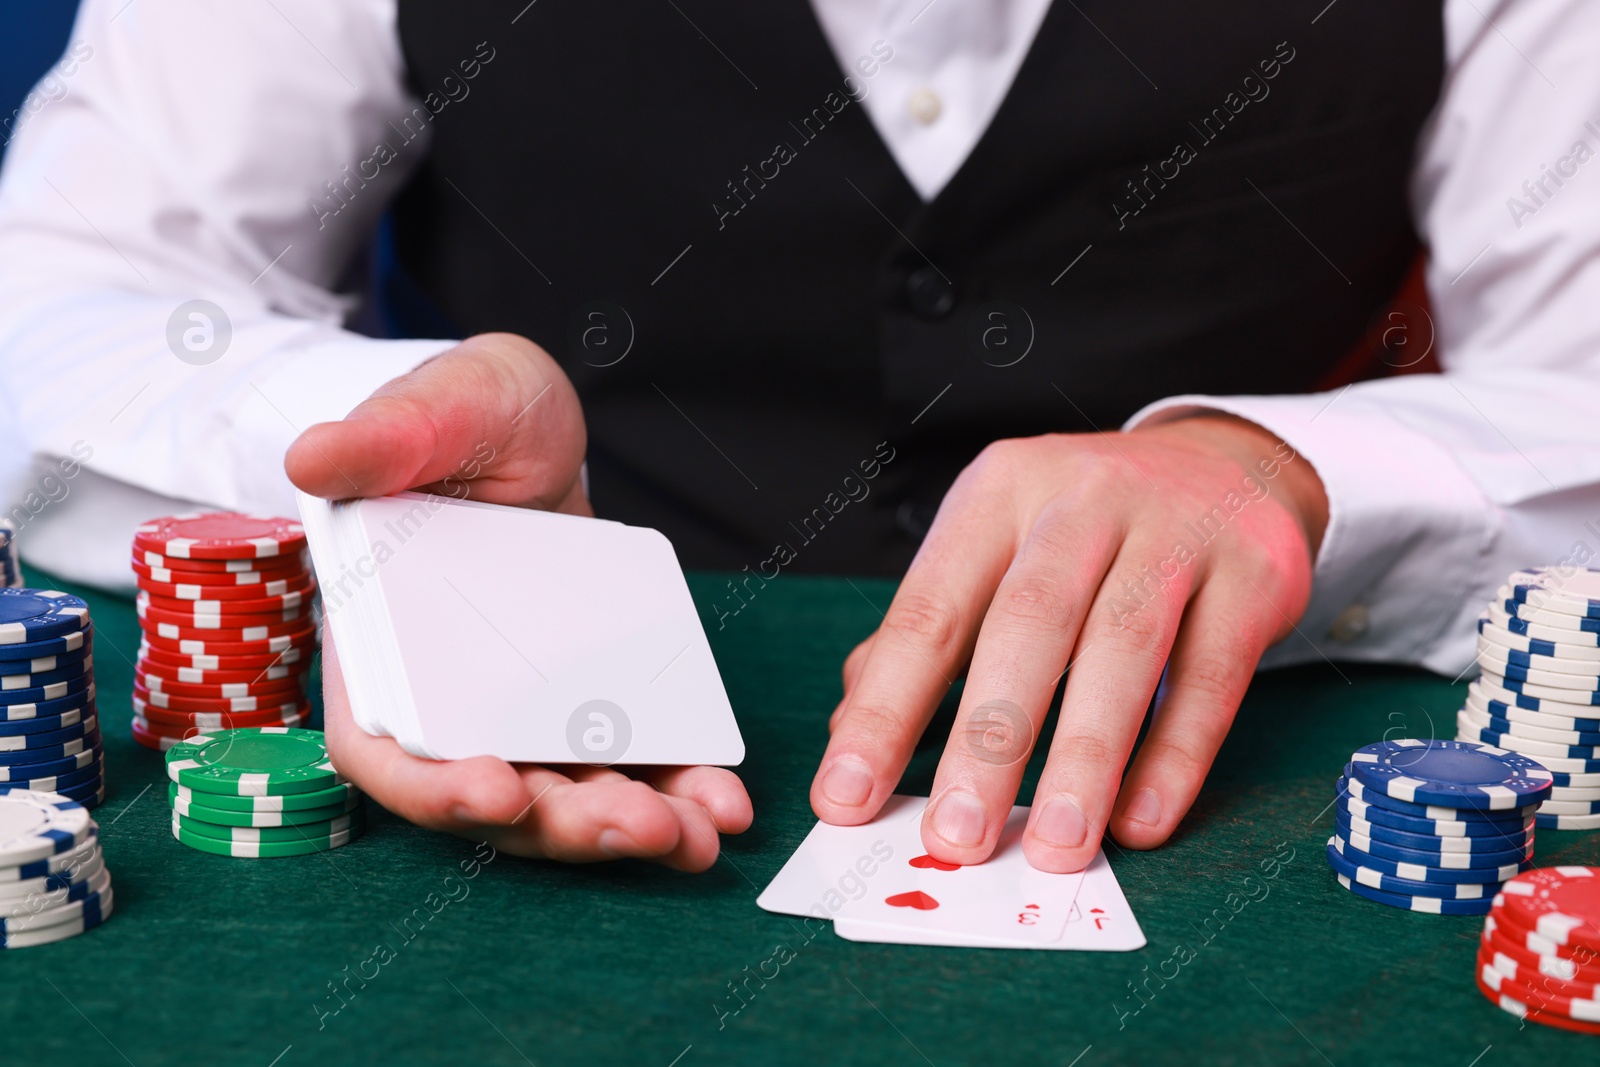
[[1215, 679], [1035, 599], [1091, 752], [925, 618], [873, 722], [1172, 757]]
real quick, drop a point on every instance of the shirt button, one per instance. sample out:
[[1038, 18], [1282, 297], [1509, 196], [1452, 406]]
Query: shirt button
[[929, 294], [925, 106], [1350, 624]]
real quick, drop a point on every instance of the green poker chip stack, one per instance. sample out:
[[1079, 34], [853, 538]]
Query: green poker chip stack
[[260, 792]]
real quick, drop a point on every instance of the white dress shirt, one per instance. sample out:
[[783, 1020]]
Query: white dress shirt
[[179, 160]]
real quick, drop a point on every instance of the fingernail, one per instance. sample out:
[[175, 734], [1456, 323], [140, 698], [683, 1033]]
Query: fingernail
[[848, 782], [1145, 807], [1061, 823], [615, 843], [959, 819]]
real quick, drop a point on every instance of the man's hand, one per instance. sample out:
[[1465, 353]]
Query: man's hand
[[1186, 547], [497, 416]]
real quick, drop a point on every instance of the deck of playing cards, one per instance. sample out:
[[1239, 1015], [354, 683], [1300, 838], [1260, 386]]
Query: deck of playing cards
[[877, 883]]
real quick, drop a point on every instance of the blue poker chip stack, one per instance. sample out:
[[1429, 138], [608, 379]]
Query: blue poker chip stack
[[49, 733], [10, 569], [1435, 826], [1539, 690], [53, 878]]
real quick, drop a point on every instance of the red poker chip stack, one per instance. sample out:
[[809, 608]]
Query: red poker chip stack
[[1539, 957], [226, 605]]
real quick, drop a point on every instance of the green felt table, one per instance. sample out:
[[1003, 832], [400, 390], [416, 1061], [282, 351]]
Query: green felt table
[[215, 960]]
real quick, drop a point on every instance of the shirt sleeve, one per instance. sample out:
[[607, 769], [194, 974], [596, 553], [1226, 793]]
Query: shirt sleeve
[[1441, 485], [178, 208]]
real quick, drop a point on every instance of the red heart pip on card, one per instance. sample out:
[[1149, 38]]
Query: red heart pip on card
[[915, 899], [938, 865]]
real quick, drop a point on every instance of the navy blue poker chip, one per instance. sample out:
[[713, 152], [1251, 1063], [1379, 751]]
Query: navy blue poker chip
[[1406, 886], [43, 708], [35, 664], [1502, 842], [1431, 905], [54, 646], [54, 783], [1455, 774], [31, 615], [21, 772], [1412, 824], [45, 754], [38, 679], [1350, 787], [13, 727], [1417, 872], [1478, 861], [40, 694], [88, 793], [47, 738]]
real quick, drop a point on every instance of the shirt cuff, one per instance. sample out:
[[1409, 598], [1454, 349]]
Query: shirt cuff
[[1408, 531]]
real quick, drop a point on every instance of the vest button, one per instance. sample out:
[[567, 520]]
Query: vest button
[[929, 294]]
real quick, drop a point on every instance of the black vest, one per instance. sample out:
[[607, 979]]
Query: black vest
[[711, 237]]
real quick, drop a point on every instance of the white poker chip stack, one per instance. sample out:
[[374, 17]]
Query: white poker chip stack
[[10, 568], [1539, 690], [53, 879]]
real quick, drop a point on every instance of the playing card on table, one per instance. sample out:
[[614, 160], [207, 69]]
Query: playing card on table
[[879, 884]]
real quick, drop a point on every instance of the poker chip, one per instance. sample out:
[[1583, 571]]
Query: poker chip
[[343, 793], [10, 569], [1580, 698], [43, 693], [1484, 719], [1455, 774], [41, 679], [208, 646], [1353, 788], [265, 687], [245, 585], [1570, 807], [1567, 822], [1533, 746], [18, 916], [1516, 841], [261, 849], [16, 758], [40, 664], [255, 761], [241, 600], [264, 835], [1405, 886], [219, 535], [289, 657], [285, 702], [1492, 694], [1498, 615], [80, 864], [210, 614], [1532, 961], [1560, 903], [1513, 645], [206, 569], [1561, 673], [1431, 905], [164, 720], [13, 727], [12, 774], [221, 627], [29, 616], [1417, 872], [1438, 827], [1539, 956], [160, 675], [34, 826], [1478, 861], [61, 931], [89, 774], [47, 738], [54, 646], [151, 740], [1571, 590], [45, 708], [1547, 617], [1551, 756], [186, 807]]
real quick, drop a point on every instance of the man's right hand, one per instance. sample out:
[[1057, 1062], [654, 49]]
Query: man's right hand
[[497, 420]]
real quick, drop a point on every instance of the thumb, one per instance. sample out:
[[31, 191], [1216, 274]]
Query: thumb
[[495, 411]]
